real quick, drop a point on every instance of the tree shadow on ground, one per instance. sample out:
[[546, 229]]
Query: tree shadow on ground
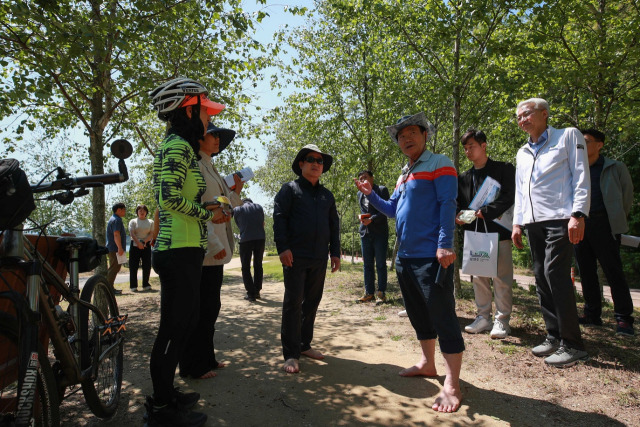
[[343, 389]]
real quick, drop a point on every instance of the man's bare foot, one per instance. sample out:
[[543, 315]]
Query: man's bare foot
[[291, 366], [314, 354], [420, 369], [220, 365], [448, 400], [207, 375]]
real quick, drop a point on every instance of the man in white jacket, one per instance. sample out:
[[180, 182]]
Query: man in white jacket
[[552, 197]]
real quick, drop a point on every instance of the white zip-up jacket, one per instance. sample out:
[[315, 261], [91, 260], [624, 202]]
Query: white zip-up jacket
[[555, 182]]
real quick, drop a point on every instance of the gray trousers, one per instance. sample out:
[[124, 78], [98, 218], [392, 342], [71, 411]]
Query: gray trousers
[[502, 286], [552, 254]]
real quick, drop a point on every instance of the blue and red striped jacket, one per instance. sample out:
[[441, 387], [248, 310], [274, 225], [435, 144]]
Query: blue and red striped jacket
[[424, 205]]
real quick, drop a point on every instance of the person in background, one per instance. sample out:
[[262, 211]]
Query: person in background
[[306, 229], [424, 205], [374, 239], [141, 232], [116, 243], [180, 246], [199, 359], [474, 144], [250, 221], [611, 201], [552, 200]]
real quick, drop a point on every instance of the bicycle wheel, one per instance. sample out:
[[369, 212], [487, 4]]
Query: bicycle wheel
[[47, 409], [102, 352]]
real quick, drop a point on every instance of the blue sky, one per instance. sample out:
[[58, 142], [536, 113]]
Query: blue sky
[[267, 99]]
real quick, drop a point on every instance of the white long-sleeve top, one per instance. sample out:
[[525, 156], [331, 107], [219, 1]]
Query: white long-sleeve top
[[219, 236], [554, 182]]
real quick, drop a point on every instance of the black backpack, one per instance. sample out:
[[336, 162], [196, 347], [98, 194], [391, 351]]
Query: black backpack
[[16, 197]]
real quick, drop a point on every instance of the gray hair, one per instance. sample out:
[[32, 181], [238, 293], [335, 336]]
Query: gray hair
[[538, 104]]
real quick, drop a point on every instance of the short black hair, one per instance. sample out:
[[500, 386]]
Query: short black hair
[[143, 207], [362, 172], [595, 133], [478, 135], [117, 206]]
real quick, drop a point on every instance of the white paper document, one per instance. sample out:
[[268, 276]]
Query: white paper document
[[122, 258], [487, 193], [627, 240], [245, 175]]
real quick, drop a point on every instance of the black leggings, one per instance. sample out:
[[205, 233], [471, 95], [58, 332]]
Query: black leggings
[[179, 271], [198, 357]]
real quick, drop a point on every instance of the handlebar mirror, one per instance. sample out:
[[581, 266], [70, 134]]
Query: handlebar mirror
[[121, 149]]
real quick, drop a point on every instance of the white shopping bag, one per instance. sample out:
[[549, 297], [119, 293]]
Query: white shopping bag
[[480, 253]]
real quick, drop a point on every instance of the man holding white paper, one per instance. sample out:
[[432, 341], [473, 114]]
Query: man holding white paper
[[488, 189]]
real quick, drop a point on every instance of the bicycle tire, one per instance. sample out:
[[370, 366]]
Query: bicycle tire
[[47, 412], [101, 393]]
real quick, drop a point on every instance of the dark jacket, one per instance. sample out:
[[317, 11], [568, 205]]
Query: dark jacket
[[379, 224], [502, 172], [305, 220], [250, 221]]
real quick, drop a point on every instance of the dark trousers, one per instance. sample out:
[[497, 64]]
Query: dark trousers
[[303, 286], [254, 248], [374, 248], [431, 308], [199, 357], [135, 256], [551, 252], [179, 271], [600, 245]]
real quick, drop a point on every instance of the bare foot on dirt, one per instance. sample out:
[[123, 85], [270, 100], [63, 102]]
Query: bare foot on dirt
[[420, 369], [291, 366], [207, 375], [314, 354], [220, 365], [448, 401]]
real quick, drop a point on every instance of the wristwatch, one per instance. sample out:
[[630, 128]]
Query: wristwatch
[[578, 214]]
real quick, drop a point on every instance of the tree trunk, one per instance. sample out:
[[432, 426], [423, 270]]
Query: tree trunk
[[457, 102]]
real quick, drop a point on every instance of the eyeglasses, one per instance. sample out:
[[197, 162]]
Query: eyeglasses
[[525, 114], [314, 160]]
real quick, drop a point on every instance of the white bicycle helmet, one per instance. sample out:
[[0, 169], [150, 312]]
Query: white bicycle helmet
[[171, 95]]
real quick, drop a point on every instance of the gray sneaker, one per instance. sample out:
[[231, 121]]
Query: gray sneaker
[[565, 357], [549, 346]]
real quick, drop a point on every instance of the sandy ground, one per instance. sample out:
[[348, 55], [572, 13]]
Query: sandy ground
[[357, 383]]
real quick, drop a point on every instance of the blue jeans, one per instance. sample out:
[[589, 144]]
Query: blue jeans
[[374, 248]]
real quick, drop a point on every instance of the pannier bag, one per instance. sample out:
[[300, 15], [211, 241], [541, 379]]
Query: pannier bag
[[16, 197]]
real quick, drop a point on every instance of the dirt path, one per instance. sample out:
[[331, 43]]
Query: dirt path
[[357, 384]]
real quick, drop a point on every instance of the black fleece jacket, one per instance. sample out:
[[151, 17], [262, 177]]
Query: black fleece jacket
[[305, 220]]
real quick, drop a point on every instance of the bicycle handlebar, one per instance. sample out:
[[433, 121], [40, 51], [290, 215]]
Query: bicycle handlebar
[[121, 149], [68, 183]]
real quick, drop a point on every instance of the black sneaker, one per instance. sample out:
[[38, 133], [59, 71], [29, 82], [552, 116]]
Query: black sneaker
[[171, 415], [625, 328], [249, 298], [588, 320], [257, 295], [185, 400]]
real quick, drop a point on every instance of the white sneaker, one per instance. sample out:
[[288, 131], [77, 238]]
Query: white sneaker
[[500, 330], [479, 325], [403, 313]]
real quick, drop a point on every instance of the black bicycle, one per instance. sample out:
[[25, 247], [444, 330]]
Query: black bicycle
[[86, 336]]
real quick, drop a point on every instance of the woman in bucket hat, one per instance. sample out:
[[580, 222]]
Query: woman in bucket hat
[[198, 359]]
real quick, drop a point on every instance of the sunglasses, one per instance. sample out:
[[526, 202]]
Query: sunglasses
[[314, 160]]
